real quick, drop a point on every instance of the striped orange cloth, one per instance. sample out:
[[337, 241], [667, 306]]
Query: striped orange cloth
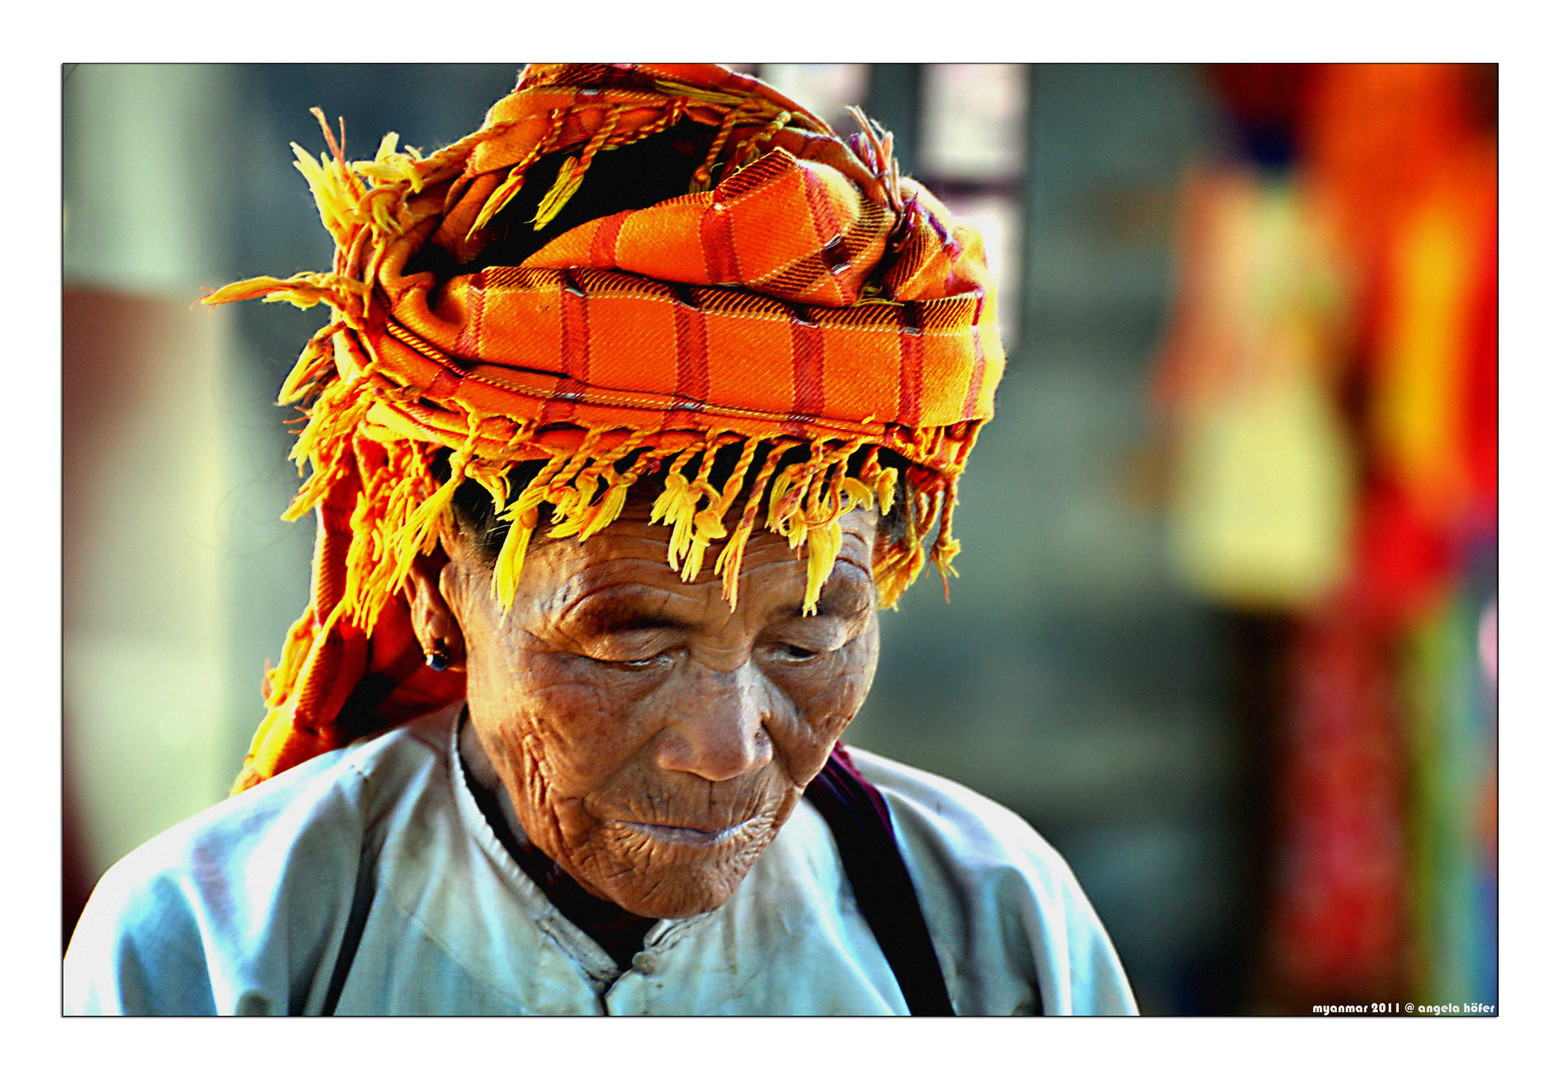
[[800, 294]]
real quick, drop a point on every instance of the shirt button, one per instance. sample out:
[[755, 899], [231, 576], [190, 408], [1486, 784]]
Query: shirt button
[[644, 963]]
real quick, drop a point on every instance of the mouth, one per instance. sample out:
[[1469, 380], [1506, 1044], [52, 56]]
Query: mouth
[[687, 835]]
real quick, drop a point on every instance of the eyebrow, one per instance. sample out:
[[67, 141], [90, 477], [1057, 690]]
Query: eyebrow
[[839, 599], [625, 609], [613, 612]]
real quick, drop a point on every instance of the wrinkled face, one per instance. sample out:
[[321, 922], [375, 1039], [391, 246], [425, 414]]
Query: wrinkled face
[[651, 739]]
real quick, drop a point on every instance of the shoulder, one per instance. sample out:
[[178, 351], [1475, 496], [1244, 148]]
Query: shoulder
[[948, 821], [222, 911], [330, 803], [1014, 929]]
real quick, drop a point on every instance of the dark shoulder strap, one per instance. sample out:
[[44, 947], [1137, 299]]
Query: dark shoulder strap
[[859, 819]]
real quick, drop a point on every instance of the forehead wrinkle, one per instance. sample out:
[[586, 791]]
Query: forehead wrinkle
[[844, 596], [623, 606], [584, 571], [851, 575], [609, 577]]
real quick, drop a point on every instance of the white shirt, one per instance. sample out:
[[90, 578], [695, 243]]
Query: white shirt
[[249, 907]]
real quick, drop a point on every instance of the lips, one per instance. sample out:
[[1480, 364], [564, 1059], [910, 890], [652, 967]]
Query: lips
[[688, 835]]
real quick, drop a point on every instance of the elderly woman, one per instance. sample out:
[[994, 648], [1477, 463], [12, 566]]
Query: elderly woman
[[634, 406]]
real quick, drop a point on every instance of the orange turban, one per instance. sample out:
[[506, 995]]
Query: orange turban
[[802, 294]]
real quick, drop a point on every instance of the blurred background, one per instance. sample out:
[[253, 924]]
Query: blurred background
[[1225, 626]]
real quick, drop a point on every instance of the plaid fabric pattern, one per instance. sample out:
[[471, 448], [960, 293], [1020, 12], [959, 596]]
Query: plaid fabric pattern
[[801, 295]]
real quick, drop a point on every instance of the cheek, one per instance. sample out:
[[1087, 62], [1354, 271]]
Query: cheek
[[825, 695], [558, 721]]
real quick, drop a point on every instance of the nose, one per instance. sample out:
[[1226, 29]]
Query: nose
[[717, 727]]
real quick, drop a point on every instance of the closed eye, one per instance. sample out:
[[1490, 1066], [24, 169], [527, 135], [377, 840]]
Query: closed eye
[[625, 659], [657, 660], [803, 640]]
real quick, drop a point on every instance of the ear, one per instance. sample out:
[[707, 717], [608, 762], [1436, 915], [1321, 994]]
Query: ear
[[434, 623]]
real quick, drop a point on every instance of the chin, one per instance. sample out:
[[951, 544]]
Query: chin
[[676, 904], [673, 881]]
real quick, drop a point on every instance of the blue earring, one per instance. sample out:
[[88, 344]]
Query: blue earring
[[437, 657]]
